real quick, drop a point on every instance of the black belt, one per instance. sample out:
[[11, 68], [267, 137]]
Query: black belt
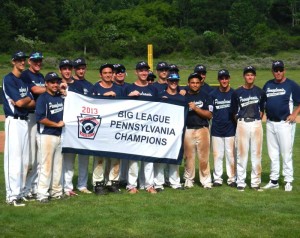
[[25, 118], [195, 127], [275, 119], [248, 119]]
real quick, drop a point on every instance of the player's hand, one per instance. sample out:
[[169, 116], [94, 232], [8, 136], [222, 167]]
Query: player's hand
[[134, 93], [110, 94], [60, 124], [182, 92], [192, 106], [13, 102], [291, 118]]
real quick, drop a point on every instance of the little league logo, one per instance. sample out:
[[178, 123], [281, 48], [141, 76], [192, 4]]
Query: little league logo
[[88, 126]]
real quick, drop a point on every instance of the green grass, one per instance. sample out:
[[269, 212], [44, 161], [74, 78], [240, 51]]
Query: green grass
[[220, 212]]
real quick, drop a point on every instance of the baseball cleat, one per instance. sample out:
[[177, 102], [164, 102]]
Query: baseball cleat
[[85, 190], [258, 189], [159, 190], [151, 190], [241, 189], [43, 200], [215, 184], [271, 185], [16, 203], [233, 185], [288, 187]]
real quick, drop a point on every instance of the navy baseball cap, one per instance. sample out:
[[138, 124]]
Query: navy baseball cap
[[249, 69], [106, 65], [119, 68], [78, 62], [173, 68], [151, 76], [19, 55], [65, 62], [223, 72], [162, 65], [52, 76], [36, 55], [142, 65], [194, 75], [277, 64], [173, 77], [200, 69]]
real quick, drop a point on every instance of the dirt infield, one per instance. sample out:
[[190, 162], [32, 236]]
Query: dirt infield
[[2, 135]]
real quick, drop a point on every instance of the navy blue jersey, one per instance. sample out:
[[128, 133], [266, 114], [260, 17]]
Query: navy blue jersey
[[175, 97], [280, 98], [202, 100], [33, 79], [148, 91], [14, 89], [81, 86], [223, 123], [204, 88], [51, 107], [123, 86], [160, 86], [97, 89], [248, 103]]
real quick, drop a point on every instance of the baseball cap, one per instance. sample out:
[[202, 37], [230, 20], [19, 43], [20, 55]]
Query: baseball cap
[[52, 76], [173, 68], [65, 62], [106, 65], [78, 62], [142, 65], [223, 72], [19, 55], [200, 68], [162, 65], [174, 77], [194, 75], [249, 69], [36, 55], [119, 68], [151, 76], [277, 64]]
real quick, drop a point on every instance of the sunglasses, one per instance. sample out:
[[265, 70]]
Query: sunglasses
[[278, 70]]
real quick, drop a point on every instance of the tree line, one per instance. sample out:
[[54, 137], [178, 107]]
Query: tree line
[[120, 28]]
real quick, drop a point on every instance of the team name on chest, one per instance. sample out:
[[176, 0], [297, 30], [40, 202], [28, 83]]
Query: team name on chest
[[273, 92], [23, 92], [55, 107], [248, 100], [220, 104]]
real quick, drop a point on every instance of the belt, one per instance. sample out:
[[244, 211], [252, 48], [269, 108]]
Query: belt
[[195, 127], [275, 119], [248, 119], [25, 118]]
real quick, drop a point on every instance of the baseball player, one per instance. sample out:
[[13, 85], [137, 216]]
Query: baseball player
[[223, 130], [248, 107], [201, 70], [162, 70], [281, 93], [49, 115], [65, 69], [80, 85], [173, 169], [151, 77], [141, 88], [197, 138], [35, 81], [17, 100], [106, 88], [119, 80]]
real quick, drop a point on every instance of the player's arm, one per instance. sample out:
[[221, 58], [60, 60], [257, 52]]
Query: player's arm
[[24, 102], [292, 117], [110, 94], [205, 114], [37, 89], [45, 121]]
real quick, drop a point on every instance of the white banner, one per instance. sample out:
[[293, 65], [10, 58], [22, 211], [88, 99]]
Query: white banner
[[124, 128]]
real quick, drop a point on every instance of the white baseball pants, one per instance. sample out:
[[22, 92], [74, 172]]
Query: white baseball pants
[[224, 146], [280, 141], [249, 135], [98, 170], [159, 175], [16, 157]]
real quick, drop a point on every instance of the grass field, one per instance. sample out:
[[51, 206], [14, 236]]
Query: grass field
[[220, 212]]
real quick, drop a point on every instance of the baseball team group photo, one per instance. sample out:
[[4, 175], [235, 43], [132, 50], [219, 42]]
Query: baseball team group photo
[[142, 119]]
